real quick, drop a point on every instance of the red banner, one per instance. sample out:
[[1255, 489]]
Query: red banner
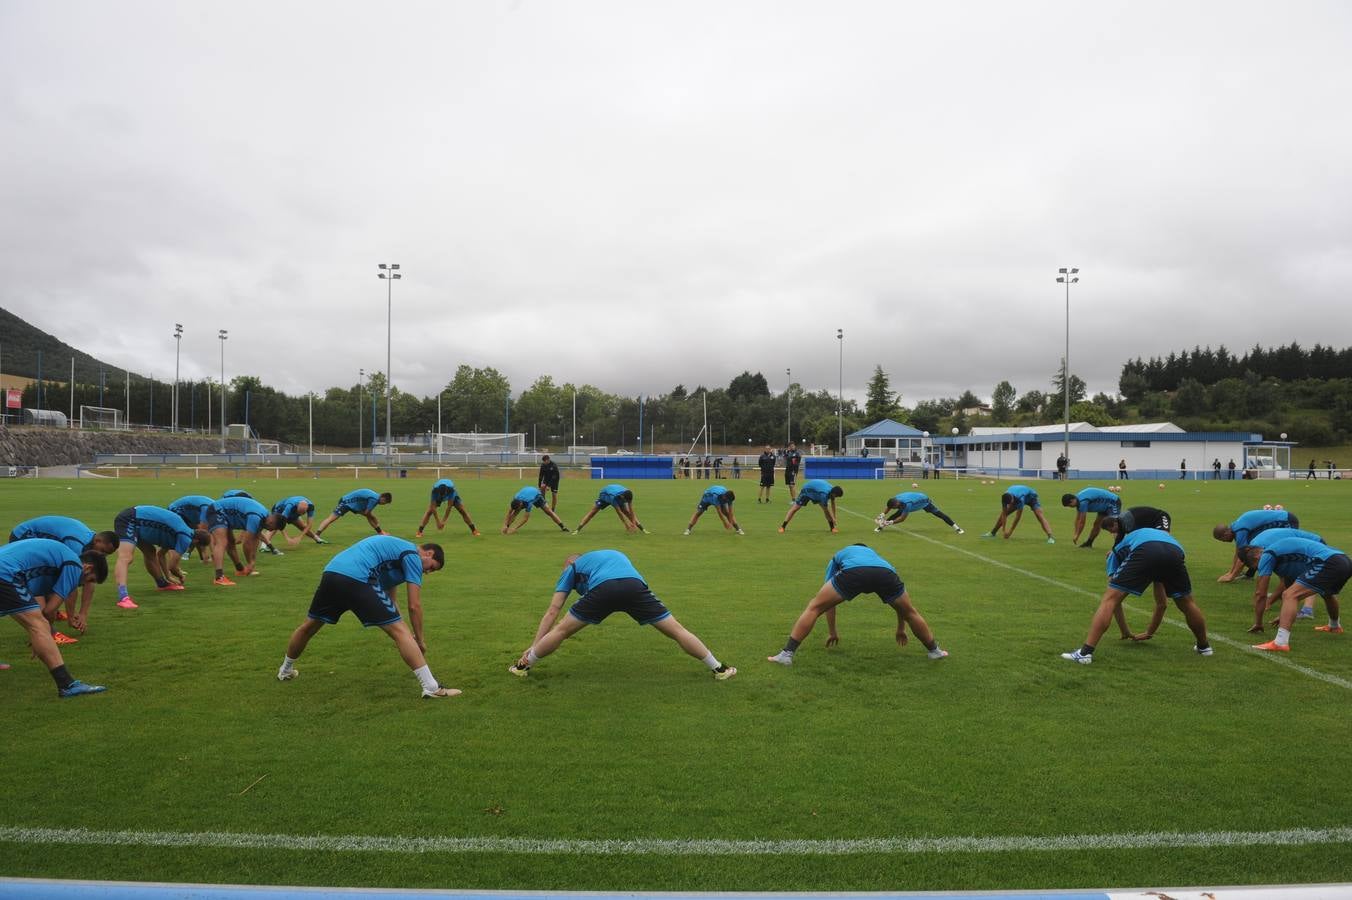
[[13, 399]]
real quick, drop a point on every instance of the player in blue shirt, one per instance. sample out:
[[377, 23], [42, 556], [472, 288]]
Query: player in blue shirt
[[196, 511], [298, 511], [361, 580], [1307, 568], [721, 499], [1244, 529], [162, 537], [361, 501], [236, 492], [1091, 500], [39, 574], [607, 582], [523, 502], [854, 570], [1263, 601], [1012, 502], [232, 514], [443, 491], [621, 499], [902, 505], [818, 491], [1145, 556], [72, 532]]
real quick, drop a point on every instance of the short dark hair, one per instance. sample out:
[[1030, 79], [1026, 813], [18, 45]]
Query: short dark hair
[[108, 537], [837, 491], [518, 504], [1070, 500], [545, 458], [627, 496], [438, 555], [96, 559], [274, 521], [386, 497], [1006, 500], [893, 503], [729, 496], [1111, 523]]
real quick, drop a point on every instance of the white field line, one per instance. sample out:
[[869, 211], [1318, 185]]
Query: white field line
[[1274, 658], [1293, 837]]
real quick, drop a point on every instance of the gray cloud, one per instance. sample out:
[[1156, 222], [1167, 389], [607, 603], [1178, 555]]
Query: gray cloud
[[636, 195]]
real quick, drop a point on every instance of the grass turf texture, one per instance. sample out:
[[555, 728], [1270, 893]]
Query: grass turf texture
[[620, 735]]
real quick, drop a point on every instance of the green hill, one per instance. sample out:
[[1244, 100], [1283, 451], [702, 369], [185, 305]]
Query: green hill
[[20, 344]]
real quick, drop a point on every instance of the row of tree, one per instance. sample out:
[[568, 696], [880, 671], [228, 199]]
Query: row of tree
[[1207, 367]]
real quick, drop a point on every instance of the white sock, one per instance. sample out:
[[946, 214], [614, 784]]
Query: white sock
[[531, 658], [1334, 623], [1283, 637], [711, 661], [288, 664], [425, 678]]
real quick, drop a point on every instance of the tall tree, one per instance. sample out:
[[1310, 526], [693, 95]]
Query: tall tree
[[881, 402], [1002, 403]]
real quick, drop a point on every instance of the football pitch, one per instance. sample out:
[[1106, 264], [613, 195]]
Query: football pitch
[[621, 764]]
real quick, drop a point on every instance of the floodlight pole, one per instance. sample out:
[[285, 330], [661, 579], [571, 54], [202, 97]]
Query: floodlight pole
[[223, 333], [1067, 277], [788, 425], [178, 344], [388, 272], [361, 379], [840, 396]]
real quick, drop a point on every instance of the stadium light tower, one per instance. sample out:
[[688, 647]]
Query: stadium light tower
[[840, 395], [178, 343], [1067, 277], [389, 273], [361, 379], [788, 426], [222, 335]]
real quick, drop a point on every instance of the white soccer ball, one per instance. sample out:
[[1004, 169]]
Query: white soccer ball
[[1278, 506], [880, 520], [1267, 506], [913, 484]]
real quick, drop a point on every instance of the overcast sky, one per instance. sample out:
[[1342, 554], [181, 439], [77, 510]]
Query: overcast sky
[[640, 194]]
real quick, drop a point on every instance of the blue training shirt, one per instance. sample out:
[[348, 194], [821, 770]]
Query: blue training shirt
[[1022, 495], [855, 557], [362, 500], [287, 508], [815, 490], [713, 496], [1097, 500], [380, 559], [236, 493], [596, 567], [912, 501], [1265, 539], [160, 527], [443, 489], [194, 509], [1117, 557], [38, 567], [530, 496], [72, 532], [610, 495], [1261, 519], [243, 512], [1290, 558]]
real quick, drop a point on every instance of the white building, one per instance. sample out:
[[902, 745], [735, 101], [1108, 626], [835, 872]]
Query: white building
[[1157, 451]]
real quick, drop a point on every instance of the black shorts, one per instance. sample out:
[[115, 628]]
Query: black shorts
[[626, 595], [338, 594], [1153, 561], [11, 601], [551, 484], [125, 526], [790, 476], [850, 583], [1327, 576], [767, 478]]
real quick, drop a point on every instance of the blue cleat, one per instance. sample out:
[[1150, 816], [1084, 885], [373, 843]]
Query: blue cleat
[[77, 688]]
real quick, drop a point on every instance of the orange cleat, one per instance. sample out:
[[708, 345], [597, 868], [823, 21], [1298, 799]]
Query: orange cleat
[[61, 615], [170, 587], [1329, 629], [223, 581], [64, 638], [1273, 647], [128, 603]]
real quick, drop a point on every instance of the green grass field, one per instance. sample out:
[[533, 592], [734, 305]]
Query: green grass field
[[619, 736]]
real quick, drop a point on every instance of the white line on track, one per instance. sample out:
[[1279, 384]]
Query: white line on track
[[1274, 658], [1292, 837]]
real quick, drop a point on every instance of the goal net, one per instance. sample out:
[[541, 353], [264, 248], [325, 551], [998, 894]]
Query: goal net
[[481, 442], [577, 450], [101, 417], [267, 448]]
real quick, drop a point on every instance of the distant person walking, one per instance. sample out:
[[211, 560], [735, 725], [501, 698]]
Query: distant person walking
[[1122, 472]]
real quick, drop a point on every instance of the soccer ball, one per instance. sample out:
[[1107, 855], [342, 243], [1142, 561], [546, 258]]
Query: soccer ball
[[880, 521], [1267, 506], [913, 484], [1277, 506], [1161, 485]]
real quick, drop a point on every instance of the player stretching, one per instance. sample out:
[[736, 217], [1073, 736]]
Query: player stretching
[[818, 491], [443, 491], [721, 499], [526, 499], [902, 505], [1091, 500], [361, 501]]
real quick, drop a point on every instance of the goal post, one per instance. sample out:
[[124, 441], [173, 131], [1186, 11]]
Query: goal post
[[481, 442], [587, 451], [101, 417]]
